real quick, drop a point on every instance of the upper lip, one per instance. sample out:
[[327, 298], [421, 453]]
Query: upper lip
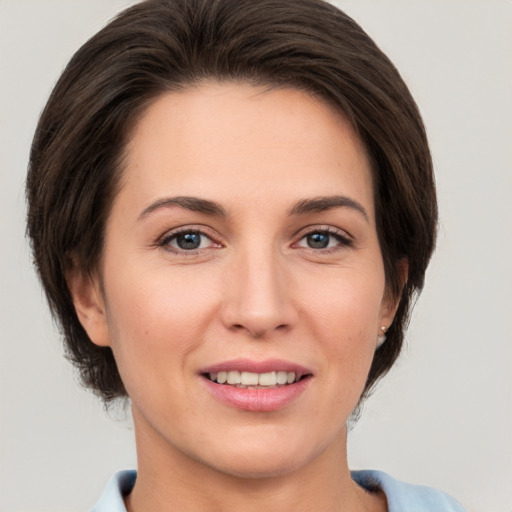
[[249, 365]]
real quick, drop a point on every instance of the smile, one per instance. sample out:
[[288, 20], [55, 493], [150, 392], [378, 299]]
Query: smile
[[257, 386], [254, 380]]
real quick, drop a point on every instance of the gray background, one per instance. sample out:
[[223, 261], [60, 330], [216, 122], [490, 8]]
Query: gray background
[[443, 417]]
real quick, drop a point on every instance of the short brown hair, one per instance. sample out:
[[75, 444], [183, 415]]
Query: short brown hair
[[166, 45]]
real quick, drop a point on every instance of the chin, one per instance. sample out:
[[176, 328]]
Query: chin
[[260, 469], [264, 459]]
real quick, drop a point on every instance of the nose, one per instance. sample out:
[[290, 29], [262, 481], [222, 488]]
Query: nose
[[258, 299]]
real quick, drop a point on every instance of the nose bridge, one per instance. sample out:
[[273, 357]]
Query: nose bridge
[[257, 299]]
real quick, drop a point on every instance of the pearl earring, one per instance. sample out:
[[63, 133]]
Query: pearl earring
[[381, 338]]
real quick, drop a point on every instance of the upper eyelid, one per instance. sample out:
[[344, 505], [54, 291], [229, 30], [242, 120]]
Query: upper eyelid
[[165, 240], [344, 240], [213, 234], [204, 230], [333, 230]]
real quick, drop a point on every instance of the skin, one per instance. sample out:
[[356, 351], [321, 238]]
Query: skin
[[253, 289]]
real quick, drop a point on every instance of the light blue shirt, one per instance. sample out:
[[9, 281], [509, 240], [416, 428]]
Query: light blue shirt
[[401, 497]]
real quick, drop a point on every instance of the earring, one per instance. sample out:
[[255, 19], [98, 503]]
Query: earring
[[381, 338]]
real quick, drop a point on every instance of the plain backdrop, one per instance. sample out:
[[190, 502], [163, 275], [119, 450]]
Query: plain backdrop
[[443, 417]]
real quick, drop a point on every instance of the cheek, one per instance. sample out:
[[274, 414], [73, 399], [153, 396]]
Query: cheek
[[344, 321], [154, 313], [348, 304]]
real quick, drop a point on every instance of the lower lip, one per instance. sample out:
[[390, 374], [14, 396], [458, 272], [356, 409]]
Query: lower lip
[[257, 400]]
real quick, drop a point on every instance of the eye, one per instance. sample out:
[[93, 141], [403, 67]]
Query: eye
[[324, 239], [319, 240], [187, 240]]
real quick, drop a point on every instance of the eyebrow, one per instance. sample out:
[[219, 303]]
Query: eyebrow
[[194, 204], [321, 204], [207, 207]]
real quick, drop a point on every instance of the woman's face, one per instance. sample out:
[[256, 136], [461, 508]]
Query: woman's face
[[242, 246]]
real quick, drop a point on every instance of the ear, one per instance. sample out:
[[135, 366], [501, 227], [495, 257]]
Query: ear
[[390, 302], [89, 305]]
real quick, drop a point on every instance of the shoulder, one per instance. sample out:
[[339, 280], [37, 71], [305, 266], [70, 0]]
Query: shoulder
[[111, 500], [403, 497]]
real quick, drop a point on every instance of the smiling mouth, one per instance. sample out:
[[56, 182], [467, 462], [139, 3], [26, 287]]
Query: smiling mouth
[[267, 380]]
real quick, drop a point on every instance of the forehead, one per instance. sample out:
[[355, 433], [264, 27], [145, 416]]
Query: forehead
[[220, 138]]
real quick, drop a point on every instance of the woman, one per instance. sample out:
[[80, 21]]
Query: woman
[[231, 207]]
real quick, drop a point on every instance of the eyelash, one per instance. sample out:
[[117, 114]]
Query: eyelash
[[165, 241], [344, 240]]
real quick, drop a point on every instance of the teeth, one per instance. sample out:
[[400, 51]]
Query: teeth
[[249, 379], [243, 379], [267, 379], [234, 378], [282, 377]]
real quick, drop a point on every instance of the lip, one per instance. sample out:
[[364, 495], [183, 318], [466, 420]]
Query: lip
[[260, 399], [249, 365]]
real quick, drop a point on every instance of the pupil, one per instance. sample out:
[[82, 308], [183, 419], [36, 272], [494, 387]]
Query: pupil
[[189, 241], [318, 240]]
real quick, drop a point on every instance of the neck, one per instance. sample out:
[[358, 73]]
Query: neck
[[169, 480]]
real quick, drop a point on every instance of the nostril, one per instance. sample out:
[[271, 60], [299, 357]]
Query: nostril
[[260, 331]]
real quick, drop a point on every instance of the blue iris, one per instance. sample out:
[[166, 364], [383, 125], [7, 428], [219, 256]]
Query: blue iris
[[190, 240], [318, 240]]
